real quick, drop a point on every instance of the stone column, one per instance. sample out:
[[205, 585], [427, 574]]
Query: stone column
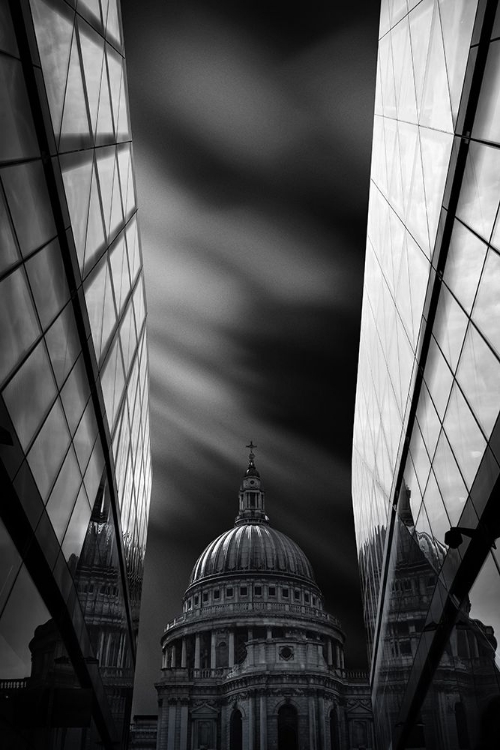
[[173, 655], [263, 722], [322, 722], [231, 649], [251, 723], [212, 650], [161, 742], [269, 634], [312, 724], [330, 653], [338, 663], [171, 726], [184, 726], [197, 659], [183, 654]]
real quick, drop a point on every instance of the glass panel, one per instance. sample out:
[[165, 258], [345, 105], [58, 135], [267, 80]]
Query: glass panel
[[128, 336], [479, 376], [27, 195], [486, 310], [435, 106], [94, 472], [48, 282], [7, 37], [133, 248], [95, 287], [106, 165], [119, 271], [10, 562], [112, 22], [75, 394], [126, 178], [420, 25], [23, 613], [9, 255], [478, 202], [418, 274], [54, 31], [112, 380], [464, 264], [48, 450], [428, 420], [457, 21], [30, 394], [92, 46], [105, 131], [85, 436], [436, 150], [19, 327], [403, 72], [439, 522], [487, 119], [63, 344], [18, 133], [449, 327], [75, 124], [63, 497], [115, 79], [95, 240], [451, 484], [465, 437], [77, 527], [484, 597], [77, 173], [438, 378]]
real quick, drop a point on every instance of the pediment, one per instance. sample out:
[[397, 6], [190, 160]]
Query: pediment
[[204, 712]]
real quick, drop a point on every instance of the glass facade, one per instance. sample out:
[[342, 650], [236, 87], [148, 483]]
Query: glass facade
[[426, 450], [75, 466]]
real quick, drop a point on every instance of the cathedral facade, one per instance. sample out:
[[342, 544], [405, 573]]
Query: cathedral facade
[[255, 662]]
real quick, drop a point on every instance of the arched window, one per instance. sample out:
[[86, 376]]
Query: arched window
[[287, 728], [222, 655], [235, 731], [333, 731]]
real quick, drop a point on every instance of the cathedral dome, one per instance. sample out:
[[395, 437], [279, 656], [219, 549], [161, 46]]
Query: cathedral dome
[[252, 548]]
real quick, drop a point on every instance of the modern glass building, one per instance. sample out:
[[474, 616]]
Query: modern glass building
[[74, 456], [426, 453]]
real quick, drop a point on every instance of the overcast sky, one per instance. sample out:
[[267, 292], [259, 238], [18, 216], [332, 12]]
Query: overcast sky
[[252, 138]]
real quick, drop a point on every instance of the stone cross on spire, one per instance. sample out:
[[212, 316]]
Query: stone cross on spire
[[251, 446]]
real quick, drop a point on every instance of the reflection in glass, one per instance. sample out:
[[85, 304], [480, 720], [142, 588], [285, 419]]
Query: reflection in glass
[[48, 450], [478, 201], [26, 193], [19, 327], [464, 264], [48, 283], [464, 435], [30, 394], [486, 310], [450, 481], [18, 134], [478, 374], [487, 118]]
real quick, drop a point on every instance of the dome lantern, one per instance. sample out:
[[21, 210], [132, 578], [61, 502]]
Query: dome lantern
[[251, 497]]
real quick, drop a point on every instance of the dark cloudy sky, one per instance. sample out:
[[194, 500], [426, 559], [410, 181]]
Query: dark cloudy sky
[[252, 137]]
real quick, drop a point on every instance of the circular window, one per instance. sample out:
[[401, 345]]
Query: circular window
[[286, 653]]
